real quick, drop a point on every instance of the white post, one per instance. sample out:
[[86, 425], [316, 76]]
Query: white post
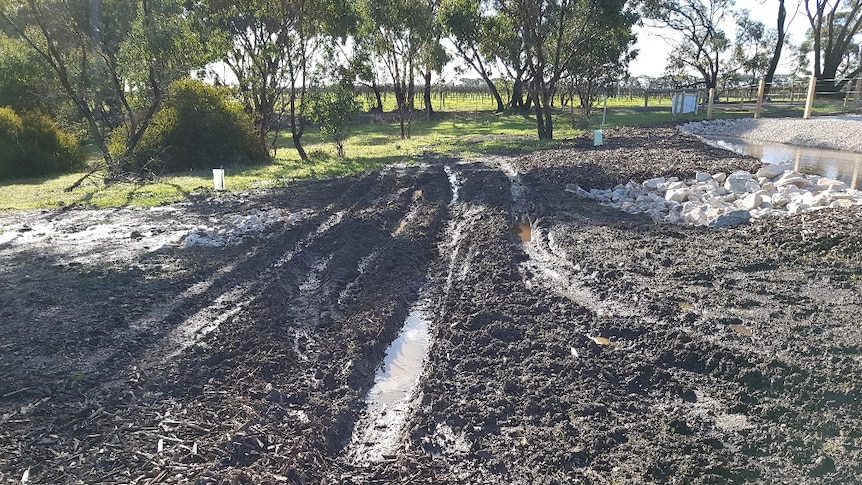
[[218, 178], [809, 101]]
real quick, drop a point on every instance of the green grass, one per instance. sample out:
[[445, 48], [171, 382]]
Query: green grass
[[464, 125]]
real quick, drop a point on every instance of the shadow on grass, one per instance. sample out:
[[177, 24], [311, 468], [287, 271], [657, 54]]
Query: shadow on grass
[[157, 191], [325, 165], [33, 180]]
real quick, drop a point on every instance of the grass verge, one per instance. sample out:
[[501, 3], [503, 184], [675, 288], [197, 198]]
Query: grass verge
[[376, 141]]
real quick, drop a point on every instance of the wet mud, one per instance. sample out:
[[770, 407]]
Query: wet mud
[[569, 342]]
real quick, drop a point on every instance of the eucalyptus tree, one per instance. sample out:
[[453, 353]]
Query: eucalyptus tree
[[432, 56], [27, 82], [397, 32], [780, 40], [502, 40], [554, 32], [834, 25], [112, 58], [360, 68], [702, 40], [270, 46], [753, 48], [469, 30], [602, 61]]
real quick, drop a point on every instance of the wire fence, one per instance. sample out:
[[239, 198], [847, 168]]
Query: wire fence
[[799, 98]]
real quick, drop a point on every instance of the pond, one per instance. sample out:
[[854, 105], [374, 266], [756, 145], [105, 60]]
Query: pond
[[833, 164]]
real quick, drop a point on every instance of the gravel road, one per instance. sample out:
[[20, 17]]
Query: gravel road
[[836, 133]]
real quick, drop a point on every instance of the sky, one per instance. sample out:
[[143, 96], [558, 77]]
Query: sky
[[653, 49]]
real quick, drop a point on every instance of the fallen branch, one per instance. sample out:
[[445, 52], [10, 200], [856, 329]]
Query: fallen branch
[[81, 180]]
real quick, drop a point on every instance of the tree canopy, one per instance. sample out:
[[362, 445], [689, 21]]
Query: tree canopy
[[834, 26], [115, 60]]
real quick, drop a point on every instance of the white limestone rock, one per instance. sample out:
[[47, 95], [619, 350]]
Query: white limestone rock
[[772, 170], [738, 182], [678, 194], [730, 219], [751, 201], [723, 201], [653, 184], [793, 178], [831, 184]]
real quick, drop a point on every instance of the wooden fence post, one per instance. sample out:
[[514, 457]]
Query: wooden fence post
[[854, 184], [710, 103], [760, 89], [809, 101]]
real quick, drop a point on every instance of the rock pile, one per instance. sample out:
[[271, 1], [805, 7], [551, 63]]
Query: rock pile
[[721, 200]]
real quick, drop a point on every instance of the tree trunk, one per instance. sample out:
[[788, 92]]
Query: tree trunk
[[297, 143], [494, 92], [296, 128], [517, 100], [549, 120], [540, 119], [401, 101], [429, 110], [376, 89], [776, 55]]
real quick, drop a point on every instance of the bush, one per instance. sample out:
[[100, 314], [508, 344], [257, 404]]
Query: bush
[[335, 110], [32, 144], [198, 127]]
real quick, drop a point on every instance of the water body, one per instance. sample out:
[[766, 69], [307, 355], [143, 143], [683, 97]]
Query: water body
[[376, 437], [403, 363], [833, 164], [524, 231]]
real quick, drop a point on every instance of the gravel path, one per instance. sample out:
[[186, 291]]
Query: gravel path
[[831, 133]]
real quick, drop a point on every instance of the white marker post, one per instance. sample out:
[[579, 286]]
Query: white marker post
[[218, 178]]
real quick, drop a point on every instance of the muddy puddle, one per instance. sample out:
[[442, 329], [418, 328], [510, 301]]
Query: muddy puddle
[[376, 436], [524, 231], [606, 342], [833, 164], [453, 182]]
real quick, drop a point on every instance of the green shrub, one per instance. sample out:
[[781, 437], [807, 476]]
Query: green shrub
[[31, 144], [336, 111], [198, 127]]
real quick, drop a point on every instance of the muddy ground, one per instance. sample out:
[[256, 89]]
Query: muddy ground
[[603, 349]]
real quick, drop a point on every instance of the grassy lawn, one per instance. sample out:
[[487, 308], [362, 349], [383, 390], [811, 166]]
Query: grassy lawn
[[464, 125], [373, 144]]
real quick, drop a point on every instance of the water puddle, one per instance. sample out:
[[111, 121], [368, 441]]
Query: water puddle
[[405, 222], [606, 341], [742, 330], [376, 436], [453, 181], [833, 164], [524, 231]]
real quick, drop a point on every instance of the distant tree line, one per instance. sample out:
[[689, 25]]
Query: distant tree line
[[115, 68], [705, 51]]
